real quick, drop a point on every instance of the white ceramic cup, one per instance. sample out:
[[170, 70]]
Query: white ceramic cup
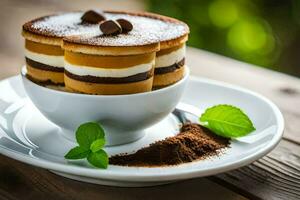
[[124, 117]]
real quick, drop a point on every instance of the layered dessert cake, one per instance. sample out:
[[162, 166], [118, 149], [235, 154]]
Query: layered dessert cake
[[117, 63], [107, 53], [123, 62], [43, 37], [170, 60]]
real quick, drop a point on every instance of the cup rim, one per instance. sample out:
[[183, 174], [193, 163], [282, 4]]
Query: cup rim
[[159, 91]]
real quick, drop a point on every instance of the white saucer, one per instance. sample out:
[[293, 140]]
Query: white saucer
[[28, 136]]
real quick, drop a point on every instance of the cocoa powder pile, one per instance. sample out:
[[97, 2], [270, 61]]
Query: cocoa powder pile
[[194, 142]]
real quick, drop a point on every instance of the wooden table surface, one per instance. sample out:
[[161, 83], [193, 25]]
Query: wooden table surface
[[275, 176]]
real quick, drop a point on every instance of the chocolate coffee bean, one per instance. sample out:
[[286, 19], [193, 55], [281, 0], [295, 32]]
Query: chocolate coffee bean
[[92, 17], [125, 24], [110, 27]]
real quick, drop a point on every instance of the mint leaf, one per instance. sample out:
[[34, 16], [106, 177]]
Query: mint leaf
[[90, 137], [77, 153], [98, 159], [87, 133], [227, 121], [97, 145]]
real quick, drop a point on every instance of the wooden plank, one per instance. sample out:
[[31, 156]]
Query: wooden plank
[[276, 176], [22, 181], [283, 90], [239, 180]]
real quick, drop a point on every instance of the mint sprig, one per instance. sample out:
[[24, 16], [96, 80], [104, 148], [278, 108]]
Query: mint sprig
[[90, 138], [227, 121]]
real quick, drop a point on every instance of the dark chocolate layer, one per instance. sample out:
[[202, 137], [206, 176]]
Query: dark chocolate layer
[[171, 68], [111, 80], [42, 66]]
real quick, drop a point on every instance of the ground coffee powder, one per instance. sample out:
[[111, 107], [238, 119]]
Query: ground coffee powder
[[194, 142]]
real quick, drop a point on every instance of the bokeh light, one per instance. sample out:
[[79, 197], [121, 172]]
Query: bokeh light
[[252, 40], [262, 32], [247, 36], [223, 13]]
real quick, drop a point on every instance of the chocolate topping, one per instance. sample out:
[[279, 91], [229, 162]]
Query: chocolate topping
[[110, 27], [171, 68], [92, 17], [111, 80], [42, 66], [125, 24]]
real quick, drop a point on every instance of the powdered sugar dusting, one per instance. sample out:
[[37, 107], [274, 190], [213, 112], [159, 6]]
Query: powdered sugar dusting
[[145, 30], [64, 25]]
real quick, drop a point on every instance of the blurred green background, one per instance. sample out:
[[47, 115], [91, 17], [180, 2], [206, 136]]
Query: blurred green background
[[262, 32]]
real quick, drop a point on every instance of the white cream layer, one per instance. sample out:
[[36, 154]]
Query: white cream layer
[[107, 72], [54, 61], [171, 58]]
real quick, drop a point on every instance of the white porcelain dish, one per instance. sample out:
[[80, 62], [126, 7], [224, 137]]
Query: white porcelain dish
[[123, 116], [26, 135]]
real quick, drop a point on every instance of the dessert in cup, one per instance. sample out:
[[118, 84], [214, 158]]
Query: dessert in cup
[[107, 63]]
